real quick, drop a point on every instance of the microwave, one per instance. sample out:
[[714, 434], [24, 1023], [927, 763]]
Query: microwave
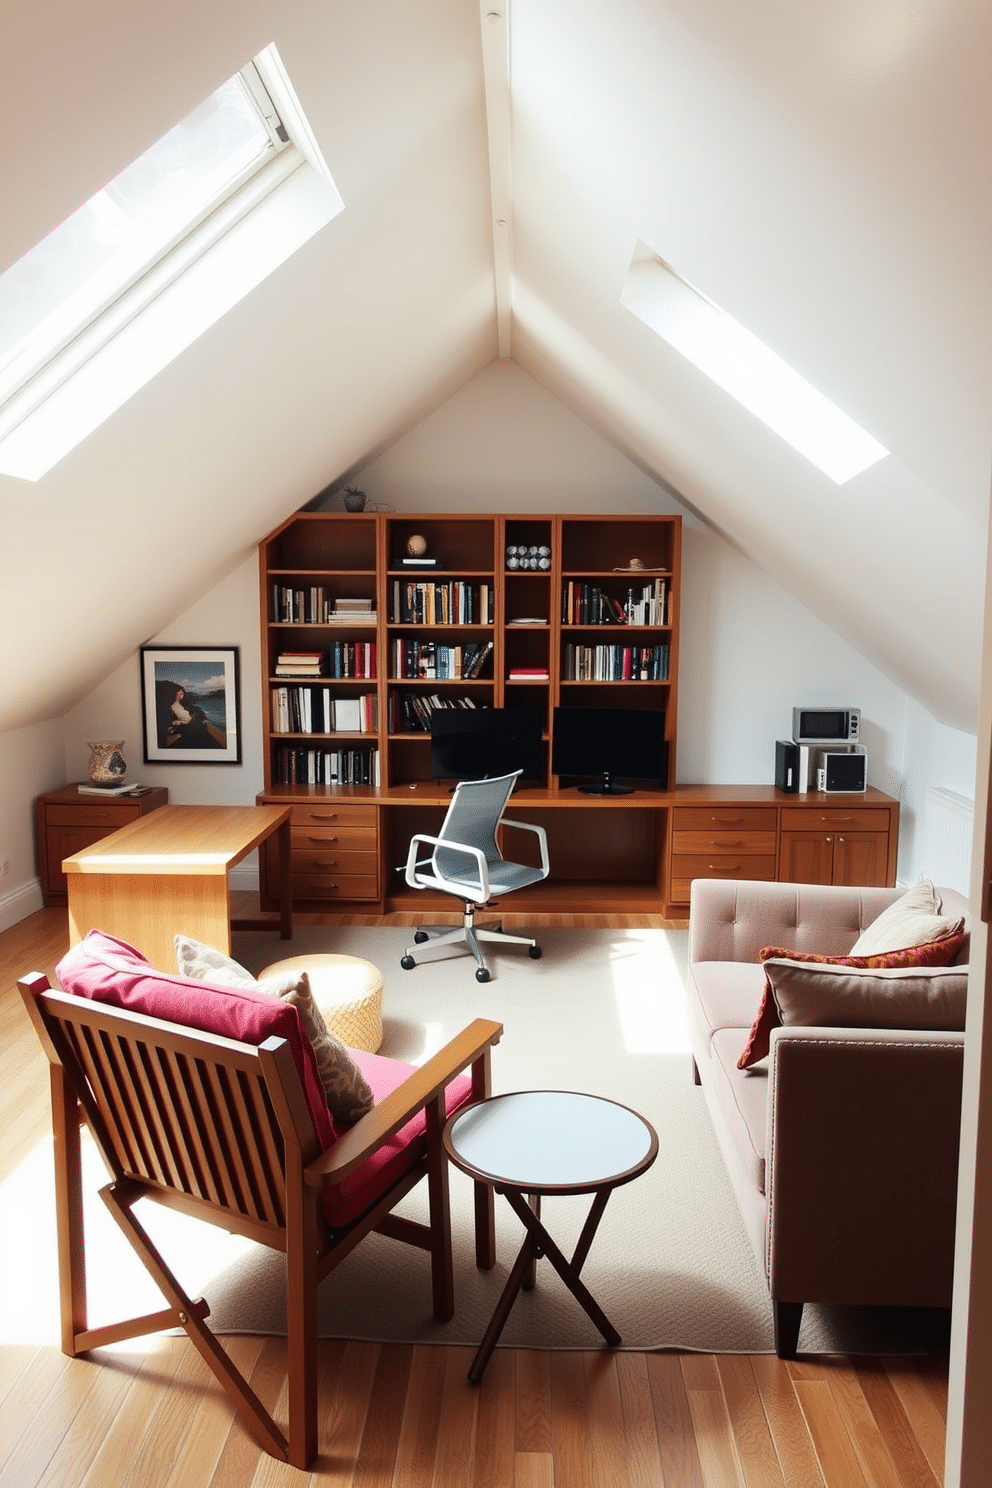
[[826, 725]]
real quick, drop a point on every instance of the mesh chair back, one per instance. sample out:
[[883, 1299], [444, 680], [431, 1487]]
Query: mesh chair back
[[472, 819]]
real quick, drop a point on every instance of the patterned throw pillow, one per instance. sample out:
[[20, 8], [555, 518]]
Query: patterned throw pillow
[[346, 1091], [940, 952]]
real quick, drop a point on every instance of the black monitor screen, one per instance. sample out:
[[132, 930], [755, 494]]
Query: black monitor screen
[[607, 743], [472, 743]]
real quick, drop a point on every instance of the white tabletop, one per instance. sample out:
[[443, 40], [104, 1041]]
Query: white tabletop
[[547, 1140]]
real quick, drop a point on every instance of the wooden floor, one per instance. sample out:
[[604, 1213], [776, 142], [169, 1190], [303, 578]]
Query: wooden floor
[[148, 1415]]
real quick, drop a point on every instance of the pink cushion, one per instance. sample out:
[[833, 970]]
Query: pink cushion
[[351, 1198], [109, 970]]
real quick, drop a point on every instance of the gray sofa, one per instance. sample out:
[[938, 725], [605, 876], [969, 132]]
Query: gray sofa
[[842, 1143]]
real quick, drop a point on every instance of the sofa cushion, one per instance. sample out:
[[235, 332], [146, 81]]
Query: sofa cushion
[[109, 970], [829, 996], [914, 919], [940, 952], [743, 1102], [345, 1088]]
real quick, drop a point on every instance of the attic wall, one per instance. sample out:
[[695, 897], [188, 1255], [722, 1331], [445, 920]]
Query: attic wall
[[750, 652]]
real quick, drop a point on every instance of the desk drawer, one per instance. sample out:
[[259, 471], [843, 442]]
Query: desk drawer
[[687, 866], [724, 819], [333, 839], [313, 862], [835, 819], [331, 814], [102, 814], [727, 843], [328, 886]]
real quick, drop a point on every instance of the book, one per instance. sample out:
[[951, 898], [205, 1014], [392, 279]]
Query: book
[[119, 788], [527, 674]]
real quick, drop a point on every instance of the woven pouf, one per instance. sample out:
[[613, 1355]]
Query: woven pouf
[[348, 992]]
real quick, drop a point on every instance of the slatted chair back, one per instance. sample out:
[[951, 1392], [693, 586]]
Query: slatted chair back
[[472, 820], [202, 1120]]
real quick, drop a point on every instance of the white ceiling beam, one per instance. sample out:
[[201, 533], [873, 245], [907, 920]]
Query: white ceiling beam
[[495, 22]]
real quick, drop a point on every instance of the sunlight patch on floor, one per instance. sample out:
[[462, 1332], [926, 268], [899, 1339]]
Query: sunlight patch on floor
[[650, 994]]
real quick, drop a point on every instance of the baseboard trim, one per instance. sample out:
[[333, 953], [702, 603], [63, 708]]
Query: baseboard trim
[[20, 903]]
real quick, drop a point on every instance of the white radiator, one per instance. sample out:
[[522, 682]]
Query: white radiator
[[947, 834]]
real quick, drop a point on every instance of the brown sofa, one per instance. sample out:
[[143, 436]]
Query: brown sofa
[[842, 1143]]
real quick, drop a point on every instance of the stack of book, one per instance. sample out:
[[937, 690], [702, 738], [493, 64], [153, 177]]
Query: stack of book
[[352, 612], [301, 664], [528, 674]]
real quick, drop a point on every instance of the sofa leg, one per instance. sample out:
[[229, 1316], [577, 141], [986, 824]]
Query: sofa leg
[[788, 1316], [695, 1073]]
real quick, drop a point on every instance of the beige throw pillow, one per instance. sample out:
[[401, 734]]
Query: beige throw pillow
[[820, 995], [346, 1090], [914, 919]]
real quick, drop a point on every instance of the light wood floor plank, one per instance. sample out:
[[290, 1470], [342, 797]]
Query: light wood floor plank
[[888, 1421], [786, 1422], [839, 1462], [495, 1431], [673, 1419], [569, 1421], [456, 1427], [533, 1397], [920, 1389], [640, 1450], [752, 1436], [416, 1447]]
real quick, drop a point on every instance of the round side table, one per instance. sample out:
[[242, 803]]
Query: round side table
[[348, 992], [537, 1142]]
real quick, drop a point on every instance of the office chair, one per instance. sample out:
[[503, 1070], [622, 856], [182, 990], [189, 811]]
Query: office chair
[[466, 861]]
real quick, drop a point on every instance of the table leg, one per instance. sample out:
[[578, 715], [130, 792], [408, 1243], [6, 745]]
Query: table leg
[[503, 1309], [530, 1279]]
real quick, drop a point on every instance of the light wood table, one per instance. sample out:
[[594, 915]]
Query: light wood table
[[167, 873]]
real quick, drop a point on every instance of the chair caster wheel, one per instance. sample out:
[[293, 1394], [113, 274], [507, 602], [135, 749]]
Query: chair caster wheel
[[407, 963], [420, 936], [534, 952], [482, 975]]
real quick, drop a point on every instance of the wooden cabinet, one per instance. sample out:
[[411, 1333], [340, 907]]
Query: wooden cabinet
[[334, 853], [68, 820], [835, 845], [720, 842], [755, 831]]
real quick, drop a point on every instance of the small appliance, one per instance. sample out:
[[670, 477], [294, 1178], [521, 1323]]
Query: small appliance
[[841, 770], [826, 725]]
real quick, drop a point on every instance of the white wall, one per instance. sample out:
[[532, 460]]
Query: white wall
[[750, 652]]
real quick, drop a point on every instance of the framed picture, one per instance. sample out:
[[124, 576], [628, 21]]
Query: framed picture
[[190, 705]]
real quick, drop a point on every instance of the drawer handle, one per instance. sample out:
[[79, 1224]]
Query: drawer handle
[[835, 821], [317, 866], [725, 867], [331, 816], [728, 844], [322, 839], [728, 821]]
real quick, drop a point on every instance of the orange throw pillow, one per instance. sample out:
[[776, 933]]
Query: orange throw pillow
[[940, 952]]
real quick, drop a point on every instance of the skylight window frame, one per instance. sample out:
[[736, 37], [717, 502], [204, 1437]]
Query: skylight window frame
[[53, 378], [746, 369]]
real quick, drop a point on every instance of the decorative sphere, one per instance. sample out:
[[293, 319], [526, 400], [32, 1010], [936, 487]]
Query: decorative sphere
[[416, 546]]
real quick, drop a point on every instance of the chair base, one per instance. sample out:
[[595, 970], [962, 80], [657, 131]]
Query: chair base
[[469, 935]]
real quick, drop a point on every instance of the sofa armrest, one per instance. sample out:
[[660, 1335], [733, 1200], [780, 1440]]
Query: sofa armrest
[[731, 919], [861, 1172]]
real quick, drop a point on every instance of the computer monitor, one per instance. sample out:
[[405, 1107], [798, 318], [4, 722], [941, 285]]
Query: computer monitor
[[475, 743], [607, 743]]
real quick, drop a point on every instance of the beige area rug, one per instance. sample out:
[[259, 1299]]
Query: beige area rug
[[671, 1264]]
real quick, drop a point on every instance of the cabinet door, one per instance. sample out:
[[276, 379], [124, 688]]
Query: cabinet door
[[861, 858], [806, 857]]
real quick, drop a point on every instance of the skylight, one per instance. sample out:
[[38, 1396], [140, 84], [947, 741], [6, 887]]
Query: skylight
[[747, 369], [132, 277]]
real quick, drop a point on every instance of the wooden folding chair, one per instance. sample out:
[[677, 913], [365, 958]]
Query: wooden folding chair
[[221, 1130]]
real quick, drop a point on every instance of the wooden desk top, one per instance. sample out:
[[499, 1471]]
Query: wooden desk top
[[194, 840]]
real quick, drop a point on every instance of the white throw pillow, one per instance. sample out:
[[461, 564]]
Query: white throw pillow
[[346, 1090], [914, 919]]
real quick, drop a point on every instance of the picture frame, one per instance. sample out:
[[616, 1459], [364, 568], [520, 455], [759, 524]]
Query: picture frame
[[190, 705]]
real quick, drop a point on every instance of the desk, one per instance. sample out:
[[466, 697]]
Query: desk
[[168, 872], [537, 1142]]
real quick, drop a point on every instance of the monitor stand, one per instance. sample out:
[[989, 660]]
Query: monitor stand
[[606, 787]]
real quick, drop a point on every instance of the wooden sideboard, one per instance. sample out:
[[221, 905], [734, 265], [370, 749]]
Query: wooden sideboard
[[635, 854], [67, 820]]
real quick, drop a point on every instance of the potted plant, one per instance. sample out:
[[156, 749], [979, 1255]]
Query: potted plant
[[354, 499]]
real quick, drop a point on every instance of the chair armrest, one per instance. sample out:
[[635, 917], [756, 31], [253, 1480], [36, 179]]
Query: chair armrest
[[861, 1173], [360, 1141], [539, 832], [731, 919], [458, 847]]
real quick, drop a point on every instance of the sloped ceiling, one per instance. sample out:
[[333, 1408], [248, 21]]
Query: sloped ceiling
[[822, 172]]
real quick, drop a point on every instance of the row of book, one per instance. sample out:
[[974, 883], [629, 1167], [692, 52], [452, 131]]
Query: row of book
[[410, 713], [615, 663], [343, 659], [315, 710], [456, 602], [643, 604], [304, 766], [425, 659], [314, 605]]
